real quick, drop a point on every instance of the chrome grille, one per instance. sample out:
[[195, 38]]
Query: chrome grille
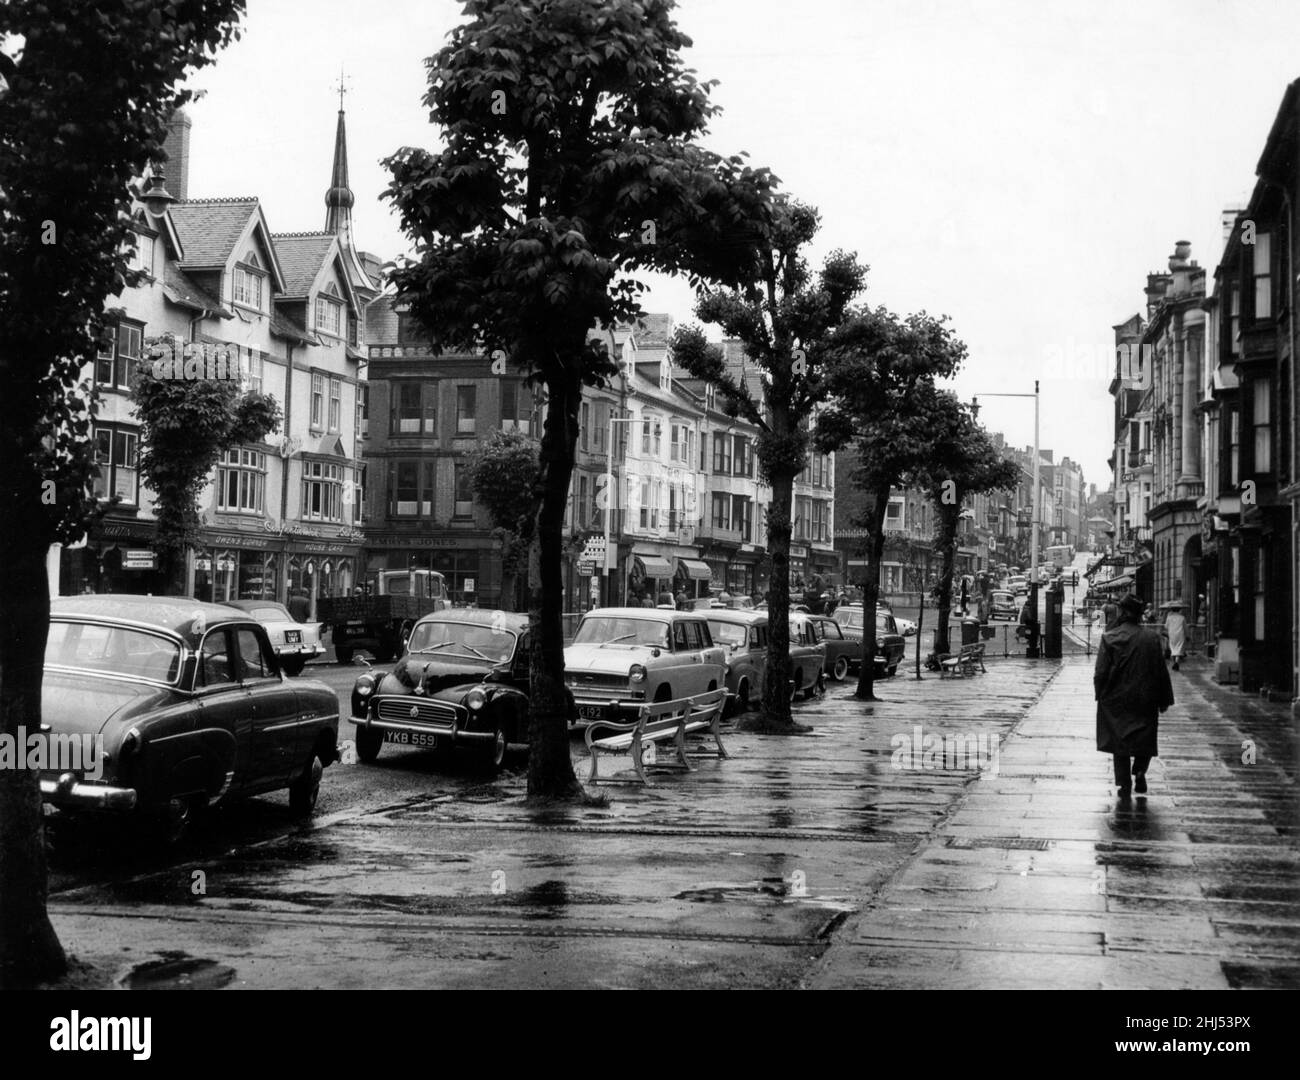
[[578, 681], [436, 714]]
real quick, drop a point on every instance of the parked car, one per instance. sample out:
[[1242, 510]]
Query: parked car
[[294, 643], [889, 642], [187, 704], [743, 636], [843, 654], [463, 684], [1003, 605], [1018, 584], [906, 627], [622, 657], [807, 657]]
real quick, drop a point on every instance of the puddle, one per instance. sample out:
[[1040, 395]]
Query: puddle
[[178, 971], [774, 889]]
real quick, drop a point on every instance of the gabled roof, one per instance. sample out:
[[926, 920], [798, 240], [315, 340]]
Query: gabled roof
[[301, 256], [209, 229]]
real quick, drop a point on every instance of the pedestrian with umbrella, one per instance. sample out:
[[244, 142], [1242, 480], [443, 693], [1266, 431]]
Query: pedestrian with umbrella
[[1132, 688], [1176, 625]]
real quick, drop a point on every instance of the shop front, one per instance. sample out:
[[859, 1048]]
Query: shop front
[[470, 563], [692, 577], [649, 576], [118, 556]]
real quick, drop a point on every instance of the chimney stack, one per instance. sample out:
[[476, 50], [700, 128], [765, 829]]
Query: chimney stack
[[177, 148]]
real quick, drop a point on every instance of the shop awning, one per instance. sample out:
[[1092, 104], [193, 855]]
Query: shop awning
[[1121, 582], [696, 570], [652, 566]]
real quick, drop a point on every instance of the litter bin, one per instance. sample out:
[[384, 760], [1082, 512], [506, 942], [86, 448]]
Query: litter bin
[[970, 630], [1052, 626]]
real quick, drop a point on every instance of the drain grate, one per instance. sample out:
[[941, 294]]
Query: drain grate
[[1003, 774], [1019, 843]]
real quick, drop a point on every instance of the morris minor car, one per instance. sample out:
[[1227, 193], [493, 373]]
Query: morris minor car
[[462, 685]]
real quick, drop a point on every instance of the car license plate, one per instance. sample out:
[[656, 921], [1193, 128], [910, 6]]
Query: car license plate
[[591, 712], [411, 738], [293, 637]]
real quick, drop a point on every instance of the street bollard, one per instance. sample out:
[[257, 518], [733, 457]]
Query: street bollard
[[1005, 650]]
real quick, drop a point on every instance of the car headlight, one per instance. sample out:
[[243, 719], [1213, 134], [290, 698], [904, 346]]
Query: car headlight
[[476, 698], [637, 673], [365, 686]]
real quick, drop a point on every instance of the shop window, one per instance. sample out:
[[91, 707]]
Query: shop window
[[241, 482]]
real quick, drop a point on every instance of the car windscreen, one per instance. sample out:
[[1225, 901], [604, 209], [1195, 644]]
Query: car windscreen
[[118, 650], [620, 630], [851, 617], [477, 640], [726, 633]]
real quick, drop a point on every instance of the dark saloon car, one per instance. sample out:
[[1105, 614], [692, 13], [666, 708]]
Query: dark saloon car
[[843, 653], [463, 684], [183, 705], [890, 645]]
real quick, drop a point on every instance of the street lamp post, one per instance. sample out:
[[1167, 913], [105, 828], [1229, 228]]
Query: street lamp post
[[1032, 651]]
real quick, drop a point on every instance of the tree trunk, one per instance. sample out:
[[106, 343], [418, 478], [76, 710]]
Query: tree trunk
[[948, 550], [871, 595], [29, 949], [774, 716], [550, 769]]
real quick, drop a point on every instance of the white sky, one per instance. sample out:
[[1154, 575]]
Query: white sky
[[1020, 165]]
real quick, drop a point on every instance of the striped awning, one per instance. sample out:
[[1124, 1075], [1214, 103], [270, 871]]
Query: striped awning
[[1121, 582]]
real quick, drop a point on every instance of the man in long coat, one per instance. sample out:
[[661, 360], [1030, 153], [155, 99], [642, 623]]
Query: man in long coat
[[1132, 688]]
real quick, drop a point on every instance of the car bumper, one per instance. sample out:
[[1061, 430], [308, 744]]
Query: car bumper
[[593, 710], [69, 793], [454, 734], [307, 650]]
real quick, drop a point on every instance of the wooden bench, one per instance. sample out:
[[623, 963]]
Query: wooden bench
[[658, 722], [963, 662]]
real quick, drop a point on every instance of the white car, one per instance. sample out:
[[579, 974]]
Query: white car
[[623, 657], [294, 643]]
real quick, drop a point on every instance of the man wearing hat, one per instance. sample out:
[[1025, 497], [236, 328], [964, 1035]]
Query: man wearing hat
[[1132, 688]]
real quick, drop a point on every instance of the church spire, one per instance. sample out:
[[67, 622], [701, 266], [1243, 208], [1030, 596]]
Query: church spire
[[339, 198]]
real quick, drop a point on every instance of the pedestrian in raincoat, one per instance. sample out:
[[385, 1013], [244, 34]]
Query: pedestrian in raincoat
[[1132, 687], [1176, 624]]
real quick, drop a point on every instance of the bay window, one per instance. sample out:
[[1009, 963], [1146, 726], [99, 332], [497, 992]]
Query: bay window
[[322, 491], [241, 482]]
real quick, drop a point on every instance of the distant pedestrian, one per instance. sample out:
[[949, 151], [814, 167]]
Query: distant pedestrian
[[646, 601], [683, 601], [1132, 687], [1176, 624]]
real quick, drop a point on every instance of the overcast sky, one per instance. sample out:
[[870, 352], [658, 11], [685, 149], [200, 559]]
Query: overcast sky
[[1019, 165]]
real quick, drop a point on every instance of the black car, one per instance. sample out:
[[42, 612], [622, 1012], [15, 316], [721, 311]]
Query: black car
[[178, 705], [463, 684]]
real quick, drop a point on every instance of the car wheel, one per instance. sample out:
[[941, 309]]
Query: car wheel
[[741, 702], [840, 672], [368, 744], [498, 749], [343, 654], [817, 689], [304, 791], [892, 671], [292, 665], [664, 693], [173, 822]]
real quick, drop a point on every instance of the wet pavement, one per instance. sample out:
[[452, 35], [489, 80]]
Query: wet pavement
[[865, 854]]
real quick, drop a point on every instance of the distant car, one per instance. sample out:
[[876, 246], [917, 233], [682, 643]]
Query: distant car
[[188, 706], [890, 645], [807, 657], [462, 685], [623, 657], [743, 636], [843, 654], [1018, 585], [1003, 605], [294, 643], [906, 627]]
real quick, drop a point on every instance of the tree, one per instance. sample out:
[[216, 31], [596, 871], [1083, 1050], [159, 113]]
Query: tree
[[969, 465], [568, 165], [784, 319], [503, 476], [881, 371], [84, 104], [186, 423]]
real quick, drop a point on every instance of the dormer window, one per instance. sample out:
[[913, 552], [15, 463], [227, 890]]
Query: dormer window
[[248, 282], [329, 312]]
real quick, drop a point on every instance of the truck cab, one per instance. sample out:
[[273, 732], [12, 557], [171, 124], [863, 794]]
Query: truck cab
[[422, 584]]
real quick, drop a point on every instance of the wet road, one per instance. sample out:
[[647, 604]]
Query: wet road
[[820, 860]]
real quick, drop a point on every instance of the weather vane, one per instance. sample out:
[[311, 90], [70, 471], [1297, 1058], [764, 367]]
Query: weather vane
[[341, 85]]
